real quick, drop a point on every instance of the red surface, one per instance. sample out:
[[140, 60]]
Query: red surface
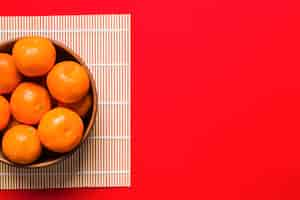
[[216, 98]]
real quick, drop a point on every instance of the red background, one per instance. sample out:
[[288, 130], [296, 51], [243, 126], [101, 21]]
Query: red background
[[216, 98]]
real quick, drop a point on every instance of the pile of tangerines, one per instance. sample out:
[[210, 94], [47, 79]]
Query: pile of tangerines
[[42, 102]]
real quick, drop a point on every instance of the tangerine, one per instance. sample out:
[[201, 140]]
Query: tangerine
[[4, 113], [60, 130], [20, 144], [29, 102], [81, 107], [10, 77], [34, 55], [68, 82]]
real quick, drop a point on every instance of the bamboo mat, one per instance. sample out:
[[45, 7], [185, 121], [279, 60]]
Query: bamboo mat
[[103, 41]]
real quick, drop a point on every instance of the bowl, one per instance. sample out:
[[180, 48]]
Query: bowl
[[50, 158]]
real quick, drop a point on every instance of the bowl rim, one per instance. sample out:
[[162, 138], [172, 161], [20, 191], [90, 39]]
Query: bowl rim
[[93, 115]]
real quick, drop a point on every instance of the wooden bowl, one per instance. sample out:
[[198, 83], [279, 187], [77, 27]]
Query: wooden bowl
[[49, 158]]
